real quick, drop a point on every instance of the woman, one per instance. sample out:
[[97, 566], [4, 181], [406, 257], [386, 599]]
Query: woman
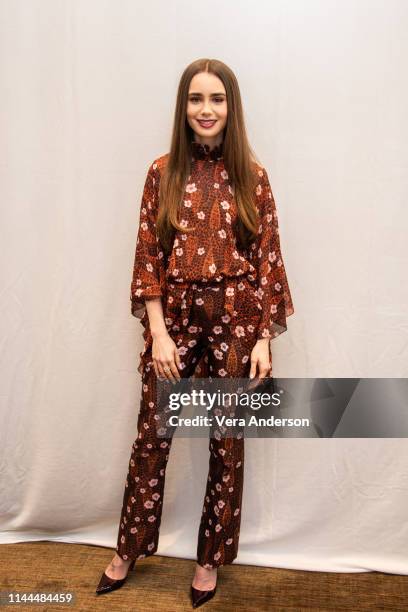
[[210, 288]]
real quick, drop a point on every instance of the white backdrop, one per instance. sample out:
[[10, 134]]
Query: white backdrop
[[87, 99]]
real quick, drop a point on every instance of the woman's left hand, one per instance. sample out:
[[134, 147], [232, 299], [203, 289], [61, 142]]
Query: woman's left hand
[[261, 359]]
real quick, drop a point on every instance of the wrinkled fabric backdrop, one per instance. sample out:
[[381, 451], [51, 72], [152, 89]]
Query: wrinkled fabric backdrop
[[88, 95]]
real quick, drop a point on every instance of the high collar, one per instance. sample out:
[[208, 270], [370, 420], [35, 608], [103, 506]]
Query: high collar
[[200, 151]]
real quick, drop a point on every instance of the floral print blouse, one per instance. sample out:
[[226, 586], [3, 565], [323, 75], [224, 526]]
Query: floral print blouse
[[210, 252]]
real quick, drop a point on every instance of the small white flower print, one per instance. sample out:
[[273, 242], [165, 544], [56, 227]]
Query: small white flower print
[[151, 518], [221, 503], [183, 222], [191, 188], [187, 203], [239, 331], [199, 301], [260, 173], [236, 512], [218, 354], [258, 189], [228, 218], [148, 504], [207, 533], [238, 464], [201, 214], [217, 556], [163, 445], [229, 541], [225, 205], [192, 329], [212, 268], [133, 530], [224, 174], [217, 329], [222, 233], [156, 496], [218, 527], [153, 482], [175, 272], [150, 546], [216, 185], [144, 226], [272, 256], [231, 489], [123, 539], [201, 251], [222, 372]]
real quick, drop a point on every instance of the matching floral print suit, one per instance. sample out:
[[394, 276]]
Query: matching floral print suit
[[217, 302]]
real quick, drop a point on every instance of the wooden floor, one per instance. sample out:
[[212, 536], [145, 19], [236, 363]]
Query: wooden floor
[[163, 583]]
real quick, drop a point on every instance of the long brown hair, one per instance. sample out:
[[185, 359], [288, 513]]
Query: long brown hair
[[238, 157]]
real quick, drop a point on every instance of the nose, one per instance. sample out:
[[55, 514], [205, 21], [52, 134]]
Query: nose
[[206, 109]]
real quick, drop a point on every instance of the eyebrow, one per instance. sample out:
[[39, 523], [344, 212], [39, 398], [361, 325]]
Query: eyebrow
[[197, 93]]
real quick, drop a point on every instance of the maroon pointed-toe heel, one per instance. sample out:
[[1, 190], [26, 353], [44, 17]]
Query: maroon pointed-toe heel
[[200, 597], [106, 584]]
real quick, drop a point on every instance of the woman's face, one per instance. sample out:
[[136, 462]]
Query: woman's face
[[207, 100]]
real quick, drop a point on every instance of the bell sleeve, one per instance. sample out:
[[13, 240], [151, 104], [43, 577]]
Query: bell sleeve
[[272, 284], [148, 279]]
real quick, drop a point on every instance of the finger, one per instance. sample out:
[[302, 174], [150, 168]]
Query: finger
[[178, 362], [156, 369], [169, 371], [263, 370], [253, 368], [175, 371], [162, 373]]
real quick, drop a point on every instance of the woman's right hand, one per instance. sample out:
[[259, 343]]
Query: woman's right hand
[[166, 359]]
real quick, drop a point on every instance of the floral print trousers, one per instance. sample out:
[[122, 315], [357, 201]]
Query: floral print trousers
[[224, 343]]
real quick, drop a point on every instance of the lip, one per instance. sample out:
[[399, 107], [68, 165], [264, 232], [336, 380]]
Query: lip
[[206, 123]]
